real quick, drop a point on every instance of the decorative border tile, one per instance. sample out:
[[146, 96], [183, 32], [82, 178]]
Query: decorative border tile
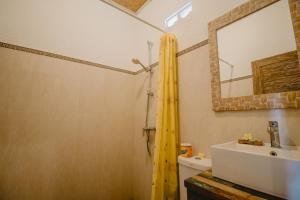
[[192, 48], [181, 53], [58, 56], [62, 57], [142, 70], [255, 102]]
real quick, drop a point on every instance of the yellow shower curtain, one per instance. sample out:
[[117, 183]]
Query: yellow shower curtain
[[165, 179]]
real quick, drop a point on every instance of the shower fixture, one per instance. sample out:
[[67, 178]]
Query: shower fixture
[[138, 62], [147, 129], [226, 62]]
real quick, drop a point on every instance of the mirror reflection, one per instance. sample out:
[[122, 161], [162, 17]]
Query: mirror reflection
[[257, 54]]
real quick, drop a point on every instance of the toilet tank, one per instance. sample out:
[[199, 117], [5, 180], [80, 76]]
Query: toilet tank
[[189, 167]]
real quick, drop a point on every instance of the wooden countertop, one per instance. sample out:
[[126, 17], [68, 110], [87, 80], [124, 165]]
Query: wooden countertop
[[212, 187]]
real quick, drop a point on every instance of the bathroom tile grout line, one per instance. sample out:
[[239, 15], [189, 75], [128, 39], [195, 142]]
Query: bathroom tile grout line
[[76, 60]]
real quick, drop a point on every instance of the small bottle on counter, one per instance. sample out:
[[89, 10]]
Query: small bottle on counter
[[186, 150]]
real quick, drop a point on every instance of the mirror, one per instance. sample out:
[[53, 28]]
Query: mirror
[[265, 34], [254, 57]]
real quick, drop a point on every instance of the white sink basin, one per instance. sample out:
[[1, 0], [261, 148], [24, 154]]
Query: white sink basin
[[254, 167]]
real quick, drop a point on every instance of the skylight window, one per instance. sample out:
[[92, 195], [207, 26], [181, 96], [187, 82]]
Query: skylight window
[[180, 14]]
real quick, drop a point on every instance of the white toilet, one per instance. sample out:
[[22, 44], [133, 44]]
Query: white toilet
[[189, 167]]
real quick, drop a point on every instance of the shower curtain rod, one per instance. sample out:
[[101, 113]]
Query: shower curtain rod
[[132, 15]]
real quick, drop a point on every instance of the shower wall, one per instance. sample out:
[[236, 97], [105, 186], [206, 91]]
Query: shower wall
[[66, 129], [142, 162]]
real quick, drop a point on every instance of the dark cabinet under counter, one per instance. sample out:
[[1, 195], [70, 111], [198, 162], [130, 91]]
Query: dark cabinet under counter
[[206, 187]]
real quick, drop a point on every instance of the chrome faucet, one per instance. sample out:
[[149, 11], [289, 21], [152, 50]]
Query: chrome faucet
[[274, 134]]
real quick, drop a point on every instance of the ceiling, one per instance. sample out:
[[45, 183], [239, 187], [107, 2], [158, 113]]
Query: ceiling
[[133, 5]]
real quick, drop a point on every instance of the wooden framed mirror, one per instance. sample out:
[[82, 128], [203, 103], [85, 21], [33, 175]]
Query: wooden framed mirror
[[254, 56]]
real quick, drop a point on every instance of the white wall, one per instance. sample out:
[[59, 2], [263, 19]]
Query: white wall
[[89, 30], [237, 88], [193, 28]]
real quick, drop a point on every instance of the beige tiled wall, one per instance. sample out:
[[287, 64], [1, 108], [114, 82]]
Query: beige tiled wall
[[142, 163], [66, 129], [199, 124]]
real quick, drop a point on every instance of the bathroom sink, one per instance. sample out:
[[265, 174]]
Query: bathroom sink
[[264, 168]]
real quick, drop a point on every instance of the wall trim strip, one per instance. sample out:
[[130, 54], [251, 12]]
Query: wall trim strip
[[142, 70], [62, 57], [192, 48], [76, 60], [182, 52], [236, 79]]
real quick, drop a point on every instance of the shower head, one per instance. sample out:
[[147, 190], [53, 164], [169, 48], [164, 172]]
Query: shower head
[[138, 62], [135, 61]]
